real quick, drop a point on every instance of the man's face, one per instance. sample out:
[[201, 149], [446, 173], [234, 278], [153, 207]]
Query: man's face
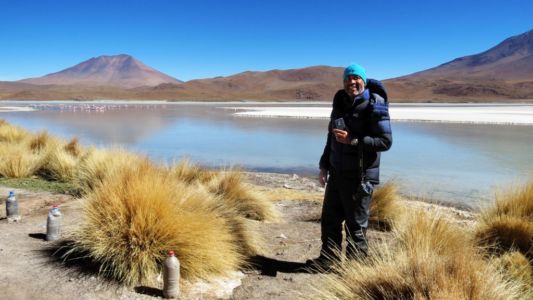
[[354, 85]]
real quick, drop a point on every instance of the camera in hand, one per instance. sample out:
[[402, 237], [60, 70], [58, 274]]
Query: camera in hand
[[339, 124]]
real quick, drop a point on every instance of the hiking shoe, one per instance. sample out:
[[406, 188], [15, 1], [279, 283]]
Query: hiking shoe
[[320, 264]]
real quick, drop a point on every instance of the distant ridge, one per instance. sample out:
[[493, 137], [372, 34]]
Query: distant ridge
[[510, 60], [505, 71], [118, 71]]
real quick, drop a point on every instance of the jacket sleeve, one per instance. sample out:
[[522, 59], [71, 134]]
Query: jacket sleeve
[[324, 159], [380, 137]]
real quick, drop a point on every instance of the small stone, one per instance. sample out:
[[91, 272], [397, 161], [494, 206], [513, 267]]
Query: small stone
[[290, 279]]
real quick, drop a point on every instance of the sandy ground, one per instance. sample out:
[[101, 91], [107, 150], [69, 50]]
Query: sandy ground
[[29, 271], [456, 113]]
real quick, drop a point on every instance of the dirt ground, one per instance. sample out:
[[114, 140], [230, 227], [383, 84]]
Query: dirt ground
[[29, 270]]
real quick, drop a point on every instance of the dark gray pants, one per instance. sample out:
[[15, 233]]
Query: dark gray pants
[[346, 199]]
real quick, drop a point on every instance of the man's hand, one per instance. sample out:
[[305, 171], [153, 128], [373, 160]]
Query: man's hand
[[342, 136], [323, 177]]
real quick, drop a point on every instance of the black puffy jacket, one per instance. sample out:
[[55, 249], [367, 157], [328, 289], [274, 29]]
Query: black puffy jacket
[[367, 119]]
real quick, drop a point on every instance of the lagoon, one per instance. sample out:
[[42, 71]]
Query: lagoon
[[445, 162]]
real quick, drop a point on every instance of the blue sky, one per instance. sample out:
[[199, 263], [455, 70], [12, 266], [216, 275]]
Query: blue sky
[[202, 39]]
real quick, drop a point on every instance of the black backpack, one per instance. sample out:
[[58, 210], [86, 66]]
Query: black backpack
[[376, 87]]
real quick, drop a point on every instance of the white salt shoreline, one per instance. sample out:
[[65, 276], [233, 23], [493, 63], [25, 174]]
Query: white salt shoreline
[[478, 113], [15, 108], [457, 113]]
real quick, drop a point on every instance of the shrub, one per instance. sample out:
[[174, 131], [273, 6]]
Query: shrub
[[96, 165], [508, 224], [229, 187], [140, 213], [40, 141], [73, 148], [384, 208], [517, 267], [250, 203], [60, 165], [17, 161], [12, 134], [430, 259], [191, 173]]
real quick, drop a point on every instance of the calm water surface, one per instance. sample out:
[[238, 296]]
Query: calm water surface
[[458, 163]]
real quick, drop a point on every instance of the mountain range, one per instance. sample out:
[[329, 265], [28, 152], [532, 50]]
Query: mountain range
[[504, 72]]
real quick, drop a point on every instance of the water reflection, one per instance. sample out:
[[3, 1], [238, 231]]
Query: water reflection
[[460, 163]]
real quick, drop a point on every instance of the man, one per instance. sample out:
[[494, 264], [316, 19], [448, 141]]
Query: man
[[359, 129]]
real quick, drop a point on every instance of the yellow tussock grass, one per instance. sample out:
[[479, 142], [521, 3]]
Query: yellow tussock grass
[[96, 165], [516, 201], [12, 134], [40, 141], [188, 172], [60, 165], [430, 259], [248, 241], [508, 224], [229, 187], [385, 208], [73, 147], [140, 213], [250, 203], [517, 267], [17, 161], [506, 233]]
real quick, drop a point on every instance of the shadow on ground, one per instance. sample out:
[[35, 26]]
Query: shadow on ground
[[270, 267], [39, 236], [149, 291], [64, 253]]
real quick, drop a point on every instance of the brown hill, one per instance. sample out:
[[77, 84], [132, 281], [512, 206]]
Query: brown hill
[[511, 60], [502, 72], [118, 71], [312, 83]]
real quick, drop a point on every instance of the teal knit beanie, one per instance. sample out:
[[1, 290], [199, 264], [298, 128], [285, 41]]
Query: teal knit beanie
[[355, 70]]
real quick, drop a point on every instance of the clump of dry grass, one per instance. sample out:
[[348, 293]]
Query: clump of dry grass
[[12, 134], [17, 161], [508, 224], [40, 141], [385, 208], [517, 266], [506, 233], [430, 259], [188, 172], [60, 165], [96, 165], [73, 148], [140, 213], [23, 154], [229, 187], [250, 203]]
